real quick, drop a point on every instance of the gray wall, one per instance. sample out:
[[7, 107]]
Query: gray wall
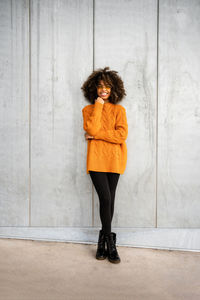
[[47, 50]]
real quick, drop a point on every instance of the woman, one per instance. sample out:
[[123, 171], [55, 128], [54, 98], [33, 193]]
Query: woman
[[106, 129]]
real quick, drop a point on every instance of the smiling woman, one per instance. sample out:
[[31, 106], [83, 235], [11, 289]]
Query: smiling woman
[[106, 129]]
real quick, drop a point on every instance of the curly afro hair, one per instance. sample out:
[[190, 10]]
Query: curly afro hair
[[109, 77]]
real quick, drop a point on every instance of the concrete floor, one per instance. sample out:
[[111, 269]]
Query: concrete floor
[[52, 271]]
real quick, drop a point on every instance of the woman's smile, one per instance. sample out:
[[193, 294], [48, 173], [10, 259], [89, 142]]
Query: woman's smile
[[103, 94]]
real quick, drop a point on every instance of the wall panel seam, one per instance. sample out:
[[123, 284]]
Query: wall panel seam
[[157, 81], [29, 32]]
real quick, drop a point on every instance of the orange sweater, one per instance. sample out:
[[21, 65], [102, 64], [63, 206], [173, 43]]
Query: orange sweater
[[107, 123]]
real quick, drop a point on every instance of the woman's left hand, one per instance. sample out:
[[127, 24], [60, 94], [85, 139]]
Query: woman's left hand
[[88, 137]]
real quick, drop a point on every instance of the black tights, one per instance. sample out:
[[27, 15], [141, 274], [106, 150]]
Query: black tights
[[105, 184]]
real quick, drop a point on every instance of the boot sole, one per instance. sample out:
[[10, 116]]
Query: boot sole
[[101, 258], [114, 261]]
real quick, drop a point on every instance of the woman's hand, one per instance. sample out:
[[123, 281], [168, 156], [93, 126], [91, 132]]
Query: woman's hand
[[99, 99], [88, 137]]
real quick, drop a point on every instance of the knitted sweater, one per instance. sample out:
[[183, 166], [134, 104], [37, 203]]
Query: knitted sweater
[[107, 123]]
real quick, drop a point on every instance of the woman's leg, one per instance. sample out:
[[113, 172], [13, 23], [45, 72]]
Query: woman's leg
[[113, 180], [101, 184]]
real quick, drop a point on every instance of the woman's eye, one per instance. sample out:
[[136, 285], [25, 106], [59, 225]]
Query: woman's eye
[[107, 87]]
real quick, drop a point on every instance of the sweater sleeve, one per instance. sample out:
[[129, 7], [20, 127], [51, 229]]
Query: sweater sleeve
[[92, 120], [118, 135]]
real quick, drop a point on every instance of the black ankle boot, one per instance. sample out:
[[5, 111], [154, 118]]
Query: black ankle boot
[[101, 251], [112, 253]]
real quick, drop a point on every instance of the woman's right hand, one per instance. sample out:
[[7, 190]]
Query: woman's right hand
[[88, 137], [99, 99]]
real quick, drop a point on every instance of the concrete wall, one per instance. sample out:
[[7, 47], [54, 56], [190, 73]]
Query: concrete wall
[[47, 50]]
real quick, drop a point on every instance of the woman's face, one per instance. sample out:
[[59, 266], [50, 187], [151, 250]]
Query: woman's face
[[103, 91]]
